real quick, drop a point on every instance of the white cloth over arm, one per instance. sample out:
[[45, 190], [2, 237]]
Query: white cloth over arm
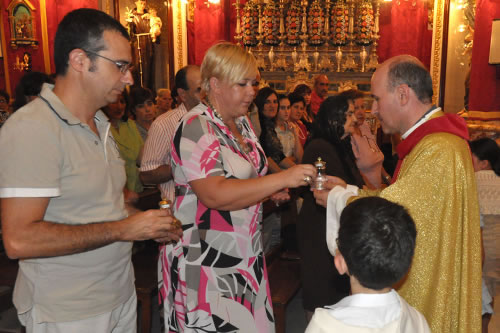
[[337, 199]]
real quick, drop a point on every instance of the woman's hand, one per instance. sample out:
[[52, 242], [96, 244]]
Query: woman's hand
[[280, 197], [299, 175]]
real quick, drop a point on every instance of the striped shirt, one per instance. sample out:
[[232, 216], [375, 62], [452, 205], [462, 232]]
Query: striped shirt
[[159, 144]]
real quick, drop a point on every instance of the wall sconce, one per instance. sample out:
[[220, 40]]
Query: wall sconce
[[23, 64]]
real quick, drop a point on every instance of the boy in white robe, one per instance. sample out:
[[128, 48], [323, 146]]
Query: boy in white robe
[[376, 242]]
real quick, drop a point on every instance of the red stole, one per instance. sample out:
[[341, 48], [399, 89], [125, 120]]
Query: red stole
[[449, 123]]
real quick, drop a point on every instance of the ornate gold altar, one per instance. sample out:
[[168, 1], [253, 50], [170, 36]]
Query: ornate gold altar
[[294, 40]]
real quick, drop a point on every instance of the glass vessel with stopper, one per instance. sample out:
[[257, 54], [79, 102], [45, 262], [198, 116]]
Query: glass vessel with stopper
[[320, 174]]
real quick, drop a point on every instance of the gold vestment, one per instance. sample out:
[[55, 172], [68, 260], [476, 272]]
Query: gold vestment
[[436, 183]]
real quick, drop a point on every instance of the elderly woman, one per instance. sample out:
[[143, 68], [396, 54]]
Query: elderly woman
[[129, 142], [215, 278], [321, 283]]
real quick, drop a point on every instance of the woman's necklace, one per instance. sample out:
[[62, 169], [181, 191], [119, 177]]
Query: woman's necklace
[[239, 138]]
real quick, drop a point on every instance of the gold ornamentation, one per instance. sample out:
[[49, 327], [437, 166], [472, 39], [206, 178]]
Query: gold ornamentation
[[180, 58], [437, 47]]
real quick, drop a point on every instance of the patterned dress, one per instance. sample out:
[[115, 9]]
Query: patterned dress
[[215, 278]]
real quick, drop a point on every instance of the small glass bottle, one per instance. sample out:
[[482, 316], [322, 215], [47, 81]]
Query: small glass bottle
[[167, 205], [320, 174]]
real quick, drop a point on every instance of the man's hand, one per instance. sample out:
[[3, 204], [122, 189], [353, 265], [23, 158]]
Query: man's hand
[[321, 196], [154, 224]]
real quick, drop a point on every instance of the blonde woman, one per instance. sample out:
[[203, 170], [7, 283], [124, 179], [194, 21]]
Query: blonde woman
[[215, 278]]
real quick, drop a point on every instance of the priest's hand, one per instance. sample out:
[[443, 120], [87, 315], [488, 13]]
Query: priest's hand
[[321, 196]]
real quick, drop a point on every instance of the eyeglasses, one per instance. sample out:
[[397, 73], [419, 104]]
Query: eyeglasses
[[123, 66]]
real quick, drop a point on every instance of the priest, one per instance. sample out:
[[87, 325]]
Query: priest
[[434, 180]]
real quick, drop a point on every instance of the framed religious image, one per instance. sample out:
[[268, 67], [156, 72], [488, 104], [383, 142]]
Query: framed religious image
[[22, 24]]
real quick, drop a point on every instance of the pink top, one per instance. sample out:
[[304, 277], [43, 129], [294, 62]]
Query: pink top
[[369, 158]]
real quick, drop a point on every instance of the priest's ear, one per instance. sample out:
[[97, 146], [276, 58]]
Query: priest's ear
[[340, 263], [403, 92]]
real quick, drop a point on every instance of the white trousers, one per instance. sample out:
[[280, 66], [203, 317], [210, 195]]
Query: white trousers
[[123, 319]]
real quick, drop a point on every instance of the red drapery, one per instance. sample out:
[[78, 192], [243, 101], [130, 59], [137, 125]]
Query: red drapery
[[404, 30], [484, 91], [55, 11]]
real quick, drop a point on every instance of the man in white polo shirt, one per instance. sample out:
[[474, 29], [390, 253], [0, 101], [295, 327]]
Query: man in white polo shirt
[[61, 189]]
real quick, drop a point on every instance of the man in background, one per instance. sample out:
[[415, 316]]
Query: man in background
[[163, 101], [155, 165], [320, 92]]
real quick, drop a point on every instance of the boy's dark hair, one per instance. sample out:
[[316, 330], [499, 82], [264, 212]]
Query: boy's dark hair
[[82, 29], [377, 240]]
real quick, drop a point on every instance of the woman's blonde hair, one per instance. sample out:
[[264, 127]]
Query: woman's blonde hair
[[227, 62]]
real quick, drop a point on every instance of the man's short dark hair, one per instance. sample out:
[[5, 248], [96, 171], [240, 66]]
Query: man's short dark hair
[[377, 240], [413, 74], [181, 77], [82, 29]]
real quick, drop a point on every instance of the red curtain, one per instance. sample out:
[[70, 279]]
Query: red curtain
[[404, 30], [55, 12], [484, 91], [208, 28]]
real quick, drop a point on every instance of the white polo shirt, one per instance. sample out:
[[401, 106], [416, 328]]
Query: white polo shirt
[[47, 152]]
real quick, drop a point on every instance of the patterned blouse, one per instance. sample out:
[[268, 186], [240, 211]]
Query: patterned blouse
[[215, 278]]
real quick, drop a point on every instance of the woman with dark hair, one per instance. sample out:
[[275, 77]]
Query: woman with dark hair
[[305, 91], [143, 108], [297, 110], [29, 87], [486, 161], [287, 134], [267, 104], [321, 283], [129, 142]]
